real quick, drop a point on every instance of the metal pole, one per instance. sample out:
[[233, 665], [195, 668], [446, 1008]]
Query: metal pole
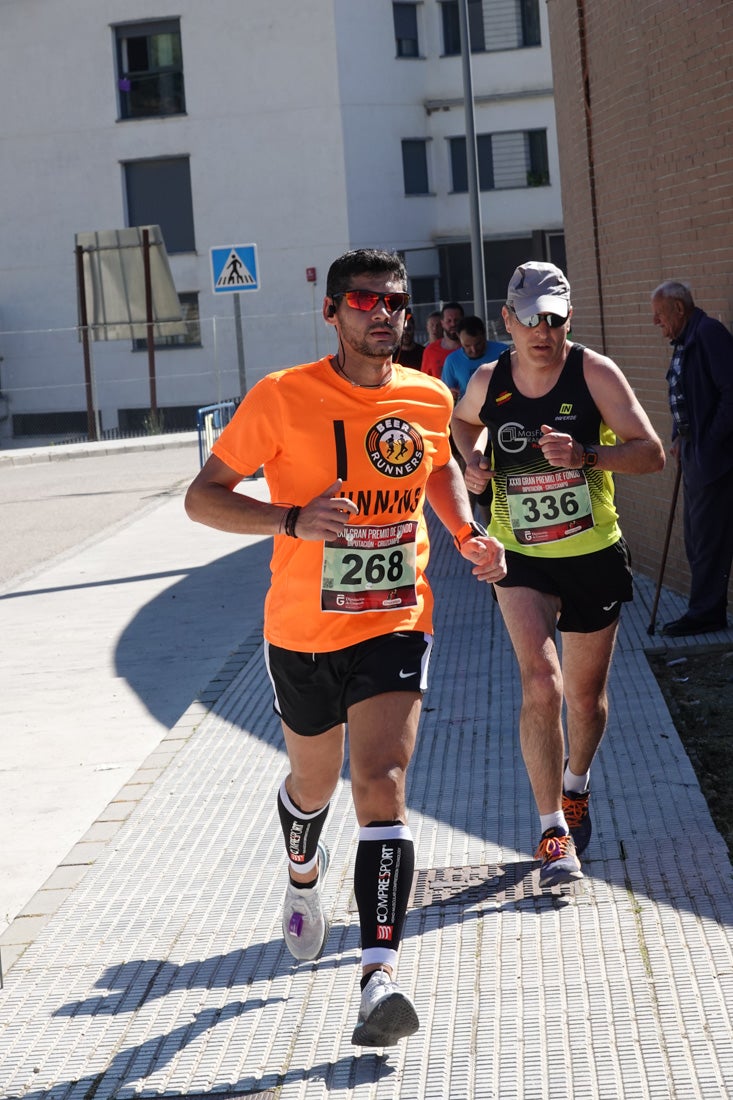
[[316, 319], [149, 325], [665, 548], [216, 357], [240, 344], [477, 239], [84, 326]]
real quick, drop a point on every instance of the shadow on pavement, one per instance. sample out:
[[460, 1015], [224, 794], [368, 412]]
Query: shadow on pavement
[[176, 644]]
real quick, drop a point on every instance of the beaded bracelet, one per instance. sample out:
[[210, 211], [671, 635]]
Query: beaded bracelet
[[290, 521]]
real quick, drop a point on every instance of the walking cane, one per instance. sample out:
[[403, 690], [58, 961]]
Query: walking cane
[[662, 564]]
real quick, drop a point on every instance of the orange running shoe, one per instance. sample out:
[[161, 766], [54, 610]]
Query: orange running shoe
[[559, 862]]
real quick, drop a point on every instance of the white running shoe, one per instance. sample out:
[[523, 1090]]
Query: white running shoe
[[304, 925], [386, 1014]]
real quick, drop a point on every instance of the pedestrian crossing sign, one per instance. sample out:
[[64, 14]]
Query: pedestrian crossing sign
[[234, 268]]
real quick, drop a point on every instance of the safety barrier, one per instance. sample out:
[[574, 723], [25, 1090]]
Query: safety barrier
[[210, 420]]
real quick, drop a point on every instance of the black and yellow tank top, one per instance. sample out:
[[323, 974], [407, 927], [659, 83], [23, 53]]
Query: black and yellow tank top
[[539, 509]]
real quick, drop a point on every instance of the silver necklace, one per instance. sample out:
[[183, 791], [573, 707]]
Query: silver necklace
[[363, 385]]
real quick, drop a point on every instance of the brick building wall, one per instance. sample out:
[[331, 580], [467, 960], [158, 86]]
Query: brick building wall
[[644, 104]]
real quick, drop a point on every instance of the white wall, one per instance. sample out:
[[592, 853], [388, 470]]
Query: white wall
[[386, 99], [262, 131], [295, 113]]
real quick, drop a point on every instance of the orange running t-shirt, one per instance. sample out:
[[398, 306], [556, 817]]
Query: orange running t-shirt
[[308, 426]]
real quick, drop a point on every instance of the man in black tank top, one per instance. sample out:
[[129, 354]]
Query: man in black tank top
[[548, 424]]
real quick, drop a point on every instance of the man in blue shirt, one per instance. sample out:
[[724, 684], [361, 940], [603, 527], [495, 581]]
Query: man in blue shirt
[[458, 368], [475, 349]]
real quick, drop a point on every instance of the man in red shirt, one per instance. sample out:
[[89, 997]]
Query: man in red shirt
[[436, 353]]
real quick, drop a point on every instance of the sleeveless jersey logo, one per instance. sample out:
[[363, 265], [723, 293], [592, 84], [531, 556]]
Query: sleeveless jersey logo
[[565, 413], [503, 397], [394, 447], [513, 437]]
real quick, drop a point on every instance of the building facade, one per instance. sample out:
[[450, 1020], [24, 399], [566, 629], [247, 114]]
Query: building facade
[[644, 97], [302, 128]]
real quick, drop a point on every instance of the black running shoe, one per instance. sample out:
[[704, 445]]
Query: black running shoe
[[576, 810]]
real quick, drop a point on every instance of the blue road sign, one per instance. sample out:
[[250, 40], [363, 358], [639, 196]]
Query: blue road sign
[[234, 268]]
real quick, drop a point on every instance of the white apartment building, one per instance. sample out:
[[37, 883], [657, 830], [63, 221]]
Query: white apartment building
[[304, 127]]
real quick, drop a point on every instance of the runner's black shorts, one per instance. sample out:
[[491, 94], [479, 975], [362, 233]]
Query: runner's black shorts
[[591, 587], [313, 691]]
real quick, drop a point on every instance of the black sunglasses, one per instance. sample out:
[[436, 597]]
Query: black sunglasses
[[368, 299], [554, 320]]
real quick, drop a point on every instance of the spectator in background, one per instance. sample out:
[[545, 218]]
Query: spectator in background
[[474, 350], [457, 370], [409, 352], [434, 327], [700, 379], [435, 354]]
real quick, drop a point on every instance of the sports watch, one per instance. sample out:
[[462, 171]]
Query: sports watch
[[590, 459], [468, 531]]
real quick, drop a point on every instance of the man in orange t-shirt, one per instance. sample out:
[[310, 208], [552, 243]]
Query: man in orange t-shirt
[[354, 443], [435, 354]]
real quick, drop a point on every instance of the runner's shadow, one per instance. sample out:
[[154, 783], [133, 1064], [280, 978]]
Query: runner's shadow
[[136, 982], [134, 1063], [127, 988], [131, 984]]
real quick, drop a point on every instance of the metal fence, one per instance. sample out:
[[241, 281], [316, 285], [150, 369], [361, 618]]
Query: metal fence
[[210, 420], [46, 397]]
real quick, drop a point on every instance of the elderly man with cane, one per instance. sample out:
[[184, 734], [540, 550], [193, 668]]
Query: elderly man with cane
[[700, 379]]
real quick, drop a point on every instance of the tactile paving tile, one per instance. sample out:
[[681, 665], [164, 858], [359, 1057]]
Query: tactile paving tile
[[165, 974], [269, 1094]]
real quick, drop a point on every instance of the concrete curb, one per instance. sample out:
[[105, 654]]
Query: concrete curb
[[25, 456]]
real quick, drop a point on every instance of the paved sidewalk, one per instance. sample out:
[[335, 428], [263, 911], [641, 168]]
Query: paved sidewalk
[[111, 604], [160, 971]]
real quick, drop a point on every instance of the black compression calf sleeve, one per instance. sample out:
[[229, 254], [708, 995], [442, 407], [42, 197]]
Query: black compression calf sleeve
[[301, 831], [385, 864]]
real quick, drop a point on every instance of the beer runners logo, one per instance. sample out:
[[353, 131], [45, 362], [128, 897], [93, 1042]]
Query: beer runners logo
[[394, 447]]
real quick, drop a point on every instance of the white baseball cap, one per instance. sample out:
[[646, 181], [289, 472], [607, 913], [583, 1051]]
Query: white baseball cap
[[537, 287]]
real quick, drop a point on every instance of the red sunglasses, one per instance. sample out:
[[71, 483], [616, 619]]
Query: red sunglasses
[[368, 299]]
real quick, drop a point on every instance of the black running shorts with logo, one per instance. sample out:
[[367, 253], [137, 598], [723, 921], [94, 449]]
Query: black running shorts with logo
[[313, 691], [591, 587]]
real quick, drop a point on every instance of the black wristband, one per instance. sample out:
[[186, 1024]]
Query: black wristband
[[290, 521]]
